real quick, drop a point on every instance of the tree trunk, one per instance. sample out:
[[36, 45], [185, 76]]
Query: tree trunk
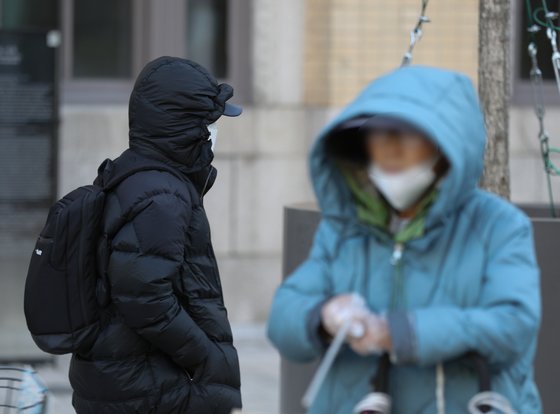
[[494, 91]]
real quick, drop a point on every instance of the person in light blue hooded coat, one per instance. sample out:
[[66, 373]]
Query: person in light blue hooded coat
[[466, 277]]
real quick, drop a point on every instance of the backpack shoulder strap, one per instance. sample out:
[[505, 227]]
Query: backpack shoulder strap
[[115, 181]]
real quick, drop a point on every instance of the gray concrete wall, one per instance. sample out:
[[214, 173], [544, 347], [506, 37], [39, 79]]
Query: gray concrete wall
[[528, 182], [262, 162], [261, 157]]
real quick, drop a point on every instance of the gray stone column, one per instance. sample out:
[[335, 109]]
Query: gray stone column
[[278, 51]]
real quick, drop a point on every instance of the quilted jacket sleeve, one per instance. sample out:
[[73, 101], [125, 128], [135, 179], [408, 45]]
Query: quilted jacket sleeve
[[508, 314], [147, 256]]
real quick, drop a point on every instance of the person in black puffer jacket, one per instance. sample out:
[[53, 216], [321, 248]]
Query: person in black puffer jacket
[[166, 346]]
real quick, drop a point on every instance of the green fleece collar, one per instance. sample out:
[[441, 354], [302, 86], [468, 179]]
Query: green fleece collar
[[373, 211]]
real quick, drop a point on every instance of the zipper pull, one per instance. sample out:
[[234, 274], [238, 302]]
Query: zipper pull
[[188, 374], [397, 254]]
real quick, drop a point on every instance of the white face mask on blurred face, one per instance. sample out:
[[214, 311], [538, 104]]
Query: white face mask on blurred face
[[403, 189], [213, 129]]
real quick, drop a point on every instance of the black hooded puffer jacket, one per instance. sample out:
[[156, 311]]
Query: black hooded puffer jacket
[[166, 345]]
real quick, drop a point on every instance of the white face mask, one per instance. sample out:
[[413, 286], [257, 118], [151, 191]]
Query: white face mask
[[404, 188], [213, 129]]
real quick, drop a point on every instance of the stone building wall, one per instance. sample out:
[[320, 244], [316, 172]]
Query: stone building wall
[[309, 58]]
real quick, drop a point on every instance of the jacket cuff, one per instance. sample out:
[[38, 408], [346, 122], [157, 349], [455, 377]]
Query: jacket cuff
[[318, 337], [403, 338]]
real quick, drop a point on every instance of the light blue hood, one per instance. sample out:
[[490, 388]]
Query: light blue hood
[[443, 104], [469, 283]]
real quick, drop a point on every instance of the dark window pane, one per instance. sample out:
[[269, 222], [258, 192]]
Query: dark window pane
[[102, 38], [29, 14], [207, 34], [541, 39]]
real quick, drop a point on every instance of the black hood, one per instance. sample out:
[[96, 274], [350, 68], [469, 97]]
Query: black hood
[[172, 102]]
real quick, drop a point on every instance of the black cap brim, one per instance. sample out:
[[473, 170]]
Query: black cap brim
[[232, 110], [388, 123]]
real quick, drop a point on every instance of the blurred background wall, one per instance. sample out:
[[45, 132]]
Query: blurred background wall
[[293, 64]]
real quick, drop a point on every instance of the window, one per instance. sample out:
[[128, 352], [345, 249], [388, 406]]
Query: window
[[29, 14], [102, 49], [105, 43], [522, 93], [542, 41], [207, 35], [102, 40]]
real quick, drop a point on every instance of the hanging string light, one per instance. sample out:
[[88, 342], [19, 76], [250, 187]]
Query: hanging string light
[[416, 34], [535, 24]]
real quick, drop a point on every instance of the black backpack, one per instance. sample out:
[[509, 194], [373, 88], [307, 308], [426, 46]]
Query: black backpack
[[64, 285]]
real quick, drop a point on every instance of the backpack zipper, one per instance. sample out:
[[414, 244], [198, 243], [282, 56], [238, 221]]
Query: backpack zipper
[[188, 375], [81, 270]]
